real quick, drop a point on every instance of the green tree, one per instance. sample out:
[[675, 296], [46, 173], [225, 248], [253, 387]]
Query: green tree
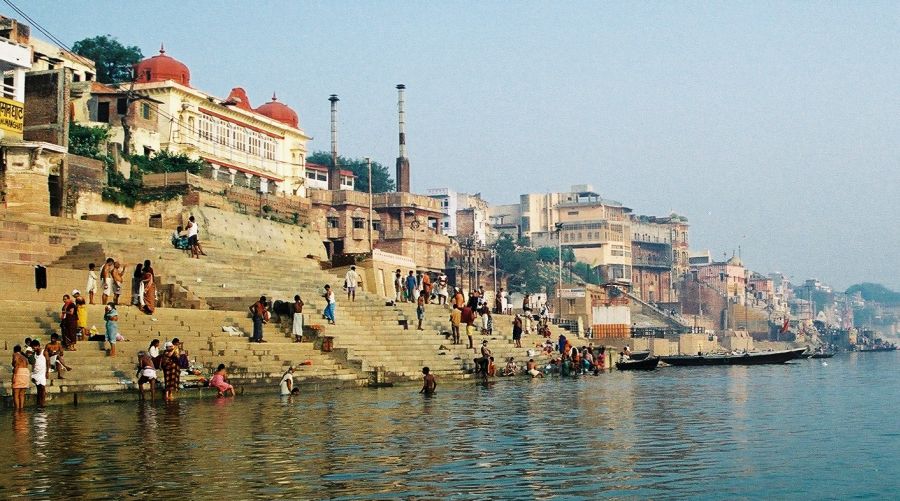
[[164, 161], [548, 254], [88, 141], [876, 292], [114, 61], [381, 178]]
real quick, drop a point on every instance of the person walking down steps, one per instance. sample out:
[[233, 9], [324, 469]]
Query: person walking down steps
[[329, 304]]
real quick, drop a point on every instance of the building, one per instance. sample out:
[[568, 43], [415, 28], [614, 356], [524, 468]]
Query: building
[[48, 56], [262, 148], [448, 201], [506, 220], [659, 256], [317, 177], [32, 167], [728, 277], [465, 216]]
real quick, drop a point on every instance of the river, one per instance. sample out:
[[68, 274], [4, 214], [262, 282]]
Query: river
[[802, 430]]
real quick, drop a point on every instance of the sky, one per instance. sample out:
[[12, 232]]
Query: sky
[[774, 127]]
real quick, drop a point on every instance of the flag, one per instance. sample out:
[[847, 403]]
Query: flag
[[784, 327]]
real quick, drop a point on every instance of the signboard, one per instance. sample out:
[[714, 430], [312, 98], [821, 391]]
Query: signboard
[[12, 115], [571, 293]]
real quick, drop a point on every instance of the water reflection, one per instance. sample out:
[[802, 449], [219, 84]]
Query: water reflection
[[674, 433]]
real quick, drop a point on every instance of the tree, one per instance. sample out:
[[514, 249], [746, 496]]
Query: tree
[[381, 178], [876, 292], [114, 61], [548, 254]]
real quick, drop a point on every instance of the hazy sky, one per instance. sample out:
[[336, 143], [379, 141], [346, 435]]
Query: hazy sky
[[771, 126]]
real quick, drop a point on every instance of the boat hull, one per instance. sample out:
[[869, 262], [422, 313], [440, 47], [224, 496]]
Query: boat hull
[[773, 357], [647, 364]]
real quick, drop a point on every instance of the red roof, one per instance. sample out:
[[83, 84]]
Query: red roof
[[160, 68], [279, 111]]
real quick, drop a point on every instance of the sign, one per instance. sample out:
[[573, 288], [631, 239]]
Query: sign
[[12, 115], [571, 293]]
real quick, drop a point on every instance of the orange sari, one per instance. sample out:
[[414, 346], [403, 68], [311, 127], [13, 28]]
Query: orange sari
[[149, 291]]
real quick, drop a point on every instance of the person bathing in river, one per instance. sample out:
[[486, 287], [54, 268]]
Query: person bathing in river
[[430, 383], [218, 382]]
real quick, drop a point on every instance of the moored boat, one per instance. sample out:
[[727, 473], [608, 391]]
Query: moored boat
[[639, 355], [760, 358], [646, 364]]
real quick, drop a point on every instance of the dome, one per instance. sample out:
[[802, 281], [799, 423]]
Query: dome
[[238, 97], [279, 111], [160, 68]]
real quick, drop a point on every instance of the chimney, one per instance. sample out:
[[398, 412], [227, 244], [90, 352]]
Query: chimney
[[334, 170], [402, 161]]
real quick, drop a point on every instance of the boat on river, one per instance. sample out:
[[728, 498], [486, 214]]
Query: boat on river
[[879, 348], [821, 355], [757, 358], [645, 364], [639, 355]]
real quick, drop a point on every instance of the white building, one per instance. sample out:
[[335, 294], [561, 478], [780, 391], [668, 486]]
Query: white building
[[449, 206], [317, 177]]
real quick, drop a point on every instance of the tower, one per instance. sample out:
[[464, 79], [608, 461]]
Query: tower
[[402, 160], [334, 170]]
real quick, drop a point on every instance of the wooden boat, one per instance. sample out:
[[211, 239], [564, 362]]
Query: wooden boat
[[646, 364], [821, 355], [639, 355], [880, 348], [760, 358]]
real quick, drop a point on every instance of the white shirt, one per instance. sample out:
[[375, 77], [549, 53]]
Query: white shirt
[[154, 351], [192, 230], [329, 296], [39, 372], [351, 279], [285, 390]]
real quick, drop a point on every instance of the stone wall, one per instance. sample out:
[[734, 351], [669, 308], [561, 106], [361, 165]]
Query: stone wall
[[46, 106]]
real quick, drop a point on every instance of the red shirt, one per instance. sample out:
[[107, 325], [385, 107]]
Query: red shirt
[[468, 315]]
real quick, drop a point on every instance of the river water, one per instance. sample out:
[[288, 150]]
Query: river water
[[802, 430]]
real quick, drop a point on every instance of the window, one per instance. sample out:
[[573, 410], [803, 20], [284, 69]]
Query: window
[[359, 223], [88, 76], [145, 111], [311, 175], [103, 112], [76, 77], [376, 225], [321, 176], [333, 222], [121, 106]]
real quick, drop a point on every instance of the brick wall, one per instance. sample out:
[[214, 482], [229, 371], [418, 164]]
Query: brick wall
[[47, 106]]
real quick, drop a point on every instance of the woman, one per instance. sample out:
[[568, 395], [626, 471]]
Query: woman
[[426, 286], [55, 351], [218, 382], [69, 323], [171, 371], [297, 326], [153, 351], [149, 285], [111, 317], [81, 310], [21, 377], [136, 279]]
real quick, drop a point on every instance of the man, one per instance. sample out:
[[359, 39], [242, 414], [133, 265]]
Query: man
[[260, 316], [467, 315], [193, 231], [430, 383], [398, 285], [111, 317], [106, 280], [287, 382], [455, 322], [531, 368], [458, 299], [526, 310], [351, 280], [485, 359], [297, 325], [411, 286], [147, 374], [426, 287], [40, 371], [118, 272], [442, 292]]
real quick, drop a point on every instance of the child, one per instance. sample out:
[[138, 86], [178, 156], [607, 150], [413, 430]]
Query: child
[[91, 282], [430, 384], [420, 310]]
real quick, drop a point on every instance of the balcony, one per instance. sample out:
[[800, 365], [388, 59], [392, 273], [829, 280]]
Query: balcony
[[651, 262]]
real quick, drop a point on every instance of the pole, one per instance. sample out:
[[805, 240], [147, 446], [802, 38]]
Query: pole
[[369, 166], [494, 255], [559, 278]]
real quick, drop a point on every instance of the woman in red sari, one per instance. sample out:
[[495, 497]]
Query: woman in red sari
[[149, 281], [68, 321]]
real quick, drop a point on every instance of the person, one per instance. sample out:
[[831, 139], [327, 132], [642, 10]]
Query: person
[[69, 323], [180, 241], [329, 304], [492, 369], [21, 377], [430, 384], [410, 286], [153, 351], [420, 310], [148, 281], [426, 287], [526, 312], [351, 280], [504, 301], [193, 232], [81, 312], [467, 315], [458, 299], [137, 277], [531, 368], [171, 371], [297, 326], [287, 382], [55, 352], [118, 274], [111, 317], [517, 331], [487, 321], [442, 293], [106, 280], [91, 282], [398, 285], [455, 322], [220, 383], [40, 372], [561, 344], [482, 297], [147, 372], [485, 358], [473, 300], [511, 368], [260, 314]]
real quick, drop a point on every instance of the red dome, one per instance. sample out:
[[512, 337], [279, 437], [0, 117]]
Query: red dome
[[238, 97], [160, 68], [278, 111]]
